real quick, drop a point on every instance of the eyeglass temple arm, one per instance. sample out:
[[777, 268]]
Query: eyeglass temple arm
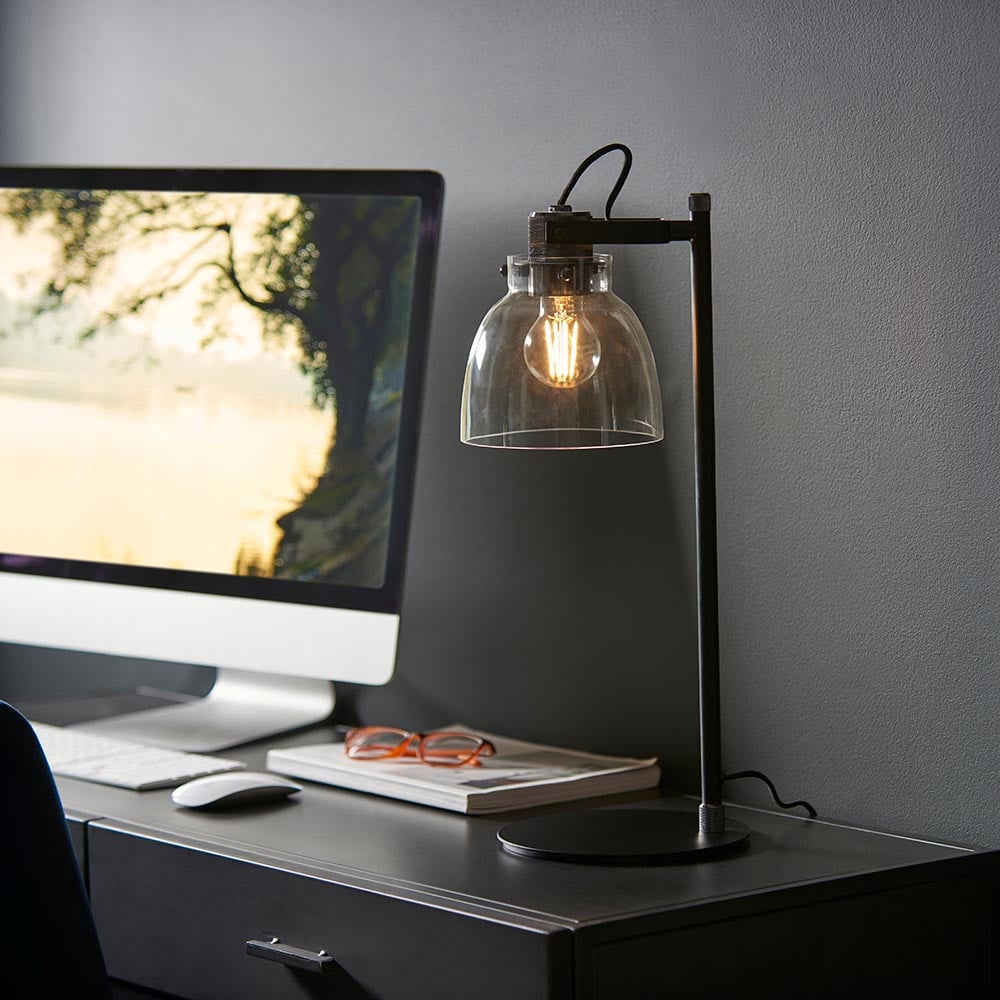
[[577, 231]]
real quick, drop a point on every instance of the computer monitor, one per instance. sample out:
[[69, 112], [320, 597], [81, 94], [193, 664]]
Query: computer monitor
[[210, 390]]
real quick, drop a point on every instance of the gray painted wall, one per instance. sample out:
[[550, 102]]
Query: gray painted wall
[[851, 152]]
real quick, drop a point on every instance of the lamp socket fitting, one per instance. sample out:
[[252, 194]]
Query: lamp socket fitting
[[543, 225]]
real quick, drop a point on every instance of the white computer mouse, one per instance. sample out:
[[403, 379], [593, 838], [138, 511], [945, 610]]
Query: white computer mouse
[[234, 788]]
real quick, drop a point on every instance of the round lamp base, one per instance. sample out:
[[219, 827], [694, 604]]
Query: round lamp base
[[620, 837]]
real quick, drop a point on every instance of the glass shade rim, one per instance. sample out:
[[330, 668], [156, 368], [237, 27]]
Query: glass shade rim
[[503, 439]]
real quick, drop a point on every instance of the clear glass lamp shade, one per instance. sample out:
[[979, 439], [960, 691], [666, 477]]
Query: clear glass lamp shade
[[560, 362]]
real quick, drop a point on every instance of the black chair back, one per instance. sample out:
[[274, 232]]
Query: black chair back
[[50, 943]]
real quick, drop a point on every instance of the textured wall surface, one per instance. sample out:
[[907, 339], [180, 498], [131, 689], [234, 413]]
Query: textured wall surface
[[850, 149]]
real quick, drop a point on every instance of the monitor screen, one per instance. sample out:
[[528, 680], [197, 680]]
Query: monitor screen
[[210, 390]]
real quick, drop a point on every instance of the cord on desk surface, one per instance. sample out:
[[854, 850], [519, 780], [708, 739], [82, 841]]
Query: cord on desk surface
[[760, 776]]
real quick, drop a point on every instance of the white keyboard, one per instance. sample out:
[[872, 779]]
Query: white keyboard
[[110, 761]]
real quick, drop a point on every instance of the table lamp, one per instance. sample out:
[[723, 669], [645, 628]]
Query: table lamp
[[561, 362]]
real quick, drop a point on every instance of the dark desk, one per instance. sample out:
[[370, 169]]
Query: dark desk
[[419, 903]]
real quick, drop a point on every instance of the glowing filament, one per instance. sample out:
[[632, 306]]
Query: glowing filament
[[562, 336], [561, 348]]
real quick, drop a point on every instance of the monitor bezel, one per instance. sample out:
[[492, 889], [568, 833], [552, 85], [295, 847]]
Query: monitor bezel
[[425, 185]]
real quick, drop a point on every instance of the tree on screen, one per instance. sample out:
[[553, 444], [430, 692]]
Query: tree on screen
[[327, 276]]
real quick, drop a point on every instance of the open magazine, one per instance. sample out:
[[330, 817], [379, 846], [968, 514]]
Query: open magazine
[[519, 775]]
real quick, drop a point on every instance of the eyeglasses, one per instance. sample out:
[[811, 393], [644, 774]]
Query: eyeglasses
[[444, 749]]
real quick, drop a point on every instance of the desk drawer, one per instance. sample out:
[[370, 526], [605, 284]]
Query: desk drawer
[[177, 918]]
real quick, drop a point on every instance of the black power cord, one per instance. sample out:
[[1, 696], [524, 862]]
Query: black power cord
[[596, 155], [760, 776]]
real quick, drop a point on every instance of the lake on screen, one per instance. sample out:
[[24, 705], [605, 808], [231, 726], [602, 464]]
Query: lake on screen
[[172, 476]]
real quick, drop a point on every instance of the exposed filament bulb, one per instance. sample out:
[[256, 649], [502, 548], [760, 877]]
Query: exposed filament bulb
[[562, 336], [562, 348]]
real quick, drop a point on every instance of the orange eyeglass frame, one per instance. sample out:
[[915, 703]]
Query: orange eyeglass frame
[[414, 745]]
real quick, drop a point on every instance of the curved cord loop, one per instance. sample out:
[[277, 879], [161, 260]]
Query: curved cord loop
[[774, 792], [596, 155]]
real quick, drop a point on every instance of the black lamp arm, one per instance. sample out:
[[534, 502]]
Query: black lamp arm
[[572, 230]]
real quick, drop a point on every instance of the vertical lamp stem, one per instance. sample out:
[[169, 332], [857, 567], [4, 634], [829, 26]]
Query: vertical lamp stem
[[711, 813]]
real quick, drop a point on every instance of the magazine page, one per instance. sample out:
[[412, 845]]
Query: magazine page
[[519, 763]]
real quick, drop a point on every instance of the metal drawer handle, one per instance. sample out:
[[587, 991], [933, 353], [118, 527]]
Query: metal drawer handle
[[294, 958]]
